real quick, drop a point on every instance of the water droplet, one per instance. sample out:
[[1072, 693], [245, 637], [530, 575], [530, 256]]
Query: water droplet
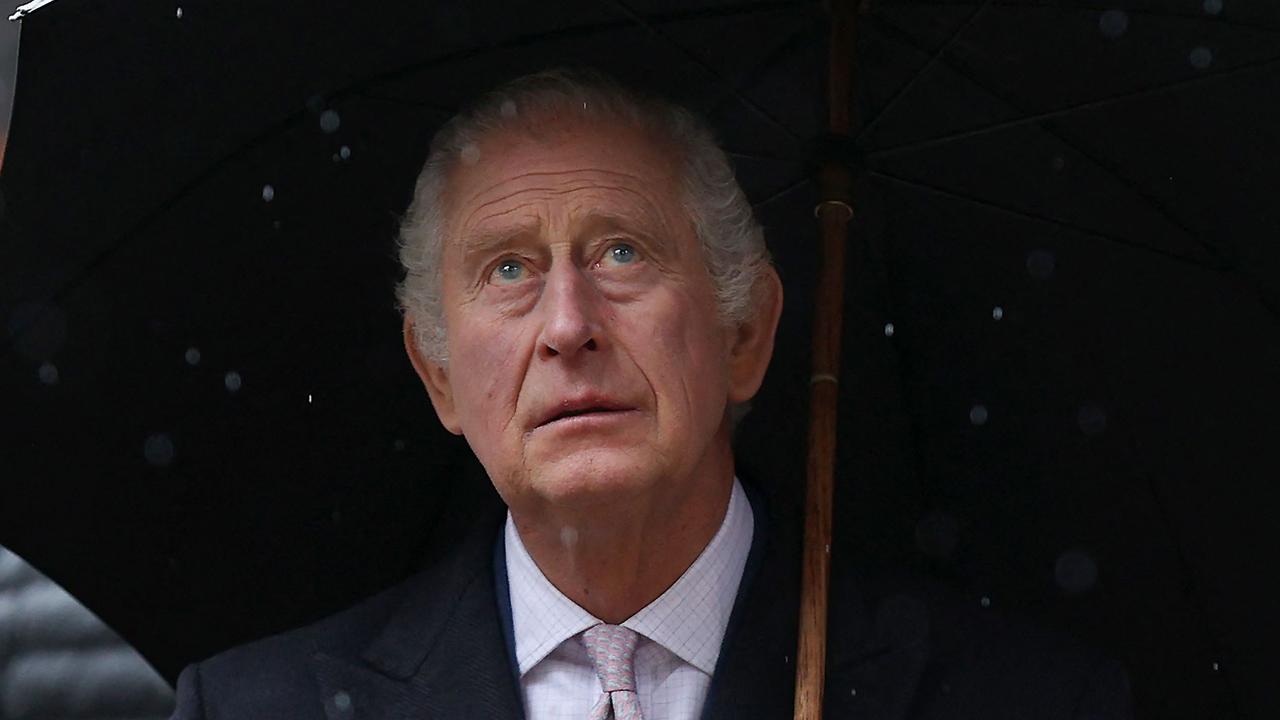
[[1091, 419], [233, 381], [158, 449], [1058, 163], [308, 398], [853, 691], [179, 13], [330, 121], [398, 445], [470, 154], [192, 356], [1040, 263], [1075, 572], [1216, 667], [508, 108], [888, 329], [985, 601], [997, 313], [1201, 57], [344, 152], [342, 700], [268, 193], [275, 224], [48, 373], [1212, 7], [978, 415], [1113, 23]]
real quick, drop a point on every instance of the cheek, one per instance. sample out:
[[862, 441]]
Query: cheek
[[487, 377], [681, 351]]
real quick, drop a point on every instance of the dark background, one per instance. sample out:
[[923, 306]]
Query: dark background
[[1064, 211]]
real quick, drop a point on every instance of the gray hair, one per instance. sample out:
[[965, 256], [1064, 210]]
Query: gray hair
[[732, 241]]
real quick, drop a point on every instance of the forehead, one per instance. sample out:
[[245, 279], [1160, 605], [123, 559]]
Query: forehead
[[598, 170]]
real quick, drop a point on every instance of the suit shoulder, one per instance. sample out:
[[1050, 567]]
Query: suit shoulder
[[272, 676]]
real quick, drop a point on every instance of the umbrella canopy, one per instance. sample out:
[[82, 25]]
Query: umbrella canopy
[[1061, 347]]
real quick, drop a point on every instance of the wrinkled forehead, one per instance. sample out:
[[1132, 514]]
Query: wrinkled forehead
[[603, 169]]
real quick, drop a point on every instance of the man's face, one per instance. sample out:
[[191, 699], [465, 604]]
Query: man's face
[[587, 361]]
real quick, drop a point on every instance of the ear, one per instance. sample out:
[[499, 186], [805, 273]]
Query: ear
[[753, 340], [436, 379]]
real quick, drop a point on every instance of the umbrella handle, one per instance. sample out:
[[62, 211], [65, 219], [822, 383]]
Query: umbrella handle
[[834, 213]]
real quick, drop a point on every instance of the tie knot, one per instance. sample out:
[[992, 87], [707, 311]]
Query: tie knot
[[611, 648]]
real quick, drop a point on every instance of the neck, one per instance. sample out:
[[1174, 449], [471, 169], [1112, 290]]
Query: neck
[[614, 564]]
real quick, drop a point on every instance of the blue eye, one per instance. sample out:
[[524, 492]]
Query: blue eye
[[508, 271], [622, 254]]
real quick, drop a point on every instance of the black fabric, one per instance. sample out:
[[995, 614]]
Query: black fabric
[[440, 646]]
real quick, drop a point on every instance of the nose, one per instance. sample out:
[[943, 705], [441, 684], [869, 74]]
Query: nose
[[571, 314]]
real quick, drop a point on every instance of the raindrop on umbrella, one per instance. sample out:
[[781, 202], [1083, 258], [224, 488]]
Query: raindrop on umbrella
[[233, 381], [192, 356], [985, 601], [997, 313], [1040, 264], [398, 445], [888, 329], [1201, 57], [268, 193], [1075, 572], [158, 449], [344, 152], [1113, 23], [1213, 7], [48, 373], [1091, 419], [978, 415], [179, 13], [329, 121]]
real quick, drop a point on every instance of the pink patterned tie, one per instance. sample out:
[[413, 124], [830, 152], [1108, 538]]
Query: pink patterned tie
[[611, 648]]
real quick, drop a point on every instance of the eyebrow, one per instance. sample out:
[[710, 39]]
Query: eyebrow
[[483, 242]]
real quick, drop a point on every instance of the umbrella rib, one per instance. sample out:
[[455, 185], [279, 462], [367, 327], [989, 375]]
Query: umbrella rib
[[747, 102], [1059, 112], [777, 195], [285, 123], [796, 41], [911, 82], [1044, 219], [1142, 12], [1115, 173], [404, 102]]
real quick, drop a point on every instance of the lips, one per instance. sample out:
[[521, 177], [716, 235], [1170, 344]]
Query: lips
[[575, 407]]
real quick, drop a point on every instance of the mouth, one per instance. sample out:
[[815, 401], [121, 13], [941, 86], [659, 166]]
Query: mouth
[[584, 407]]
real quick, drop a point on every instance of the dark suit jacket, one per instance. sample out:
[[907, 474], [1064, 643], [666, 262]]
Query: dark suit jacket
[[440, 646]]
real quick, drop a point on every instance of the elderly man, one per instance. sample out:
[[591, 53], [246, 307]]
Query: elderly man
[[587, 298]]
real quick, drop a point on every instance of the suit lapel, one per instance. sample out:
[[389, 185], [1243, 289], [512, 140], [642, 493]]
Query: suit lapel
[[442, 653]]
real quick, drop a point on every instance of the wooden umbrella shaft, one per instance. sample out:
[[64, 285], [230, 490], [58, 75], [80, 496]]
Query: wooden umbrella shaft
[[834, 213]]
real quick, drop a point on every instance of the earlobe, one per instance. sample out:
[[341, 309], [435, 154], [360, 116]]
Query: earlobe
[[435, 378], [753, 340]]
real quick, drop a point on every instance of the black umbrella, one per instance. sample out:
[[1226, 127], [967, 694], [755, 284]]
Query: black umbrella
[[1060, 358]]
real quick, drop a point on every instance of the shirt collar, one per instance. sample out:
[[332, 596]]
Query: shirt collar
[[689, 619]]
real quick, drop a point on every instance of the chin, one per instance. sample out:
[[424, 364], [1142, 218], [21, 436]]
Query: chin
[[591, 479]]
